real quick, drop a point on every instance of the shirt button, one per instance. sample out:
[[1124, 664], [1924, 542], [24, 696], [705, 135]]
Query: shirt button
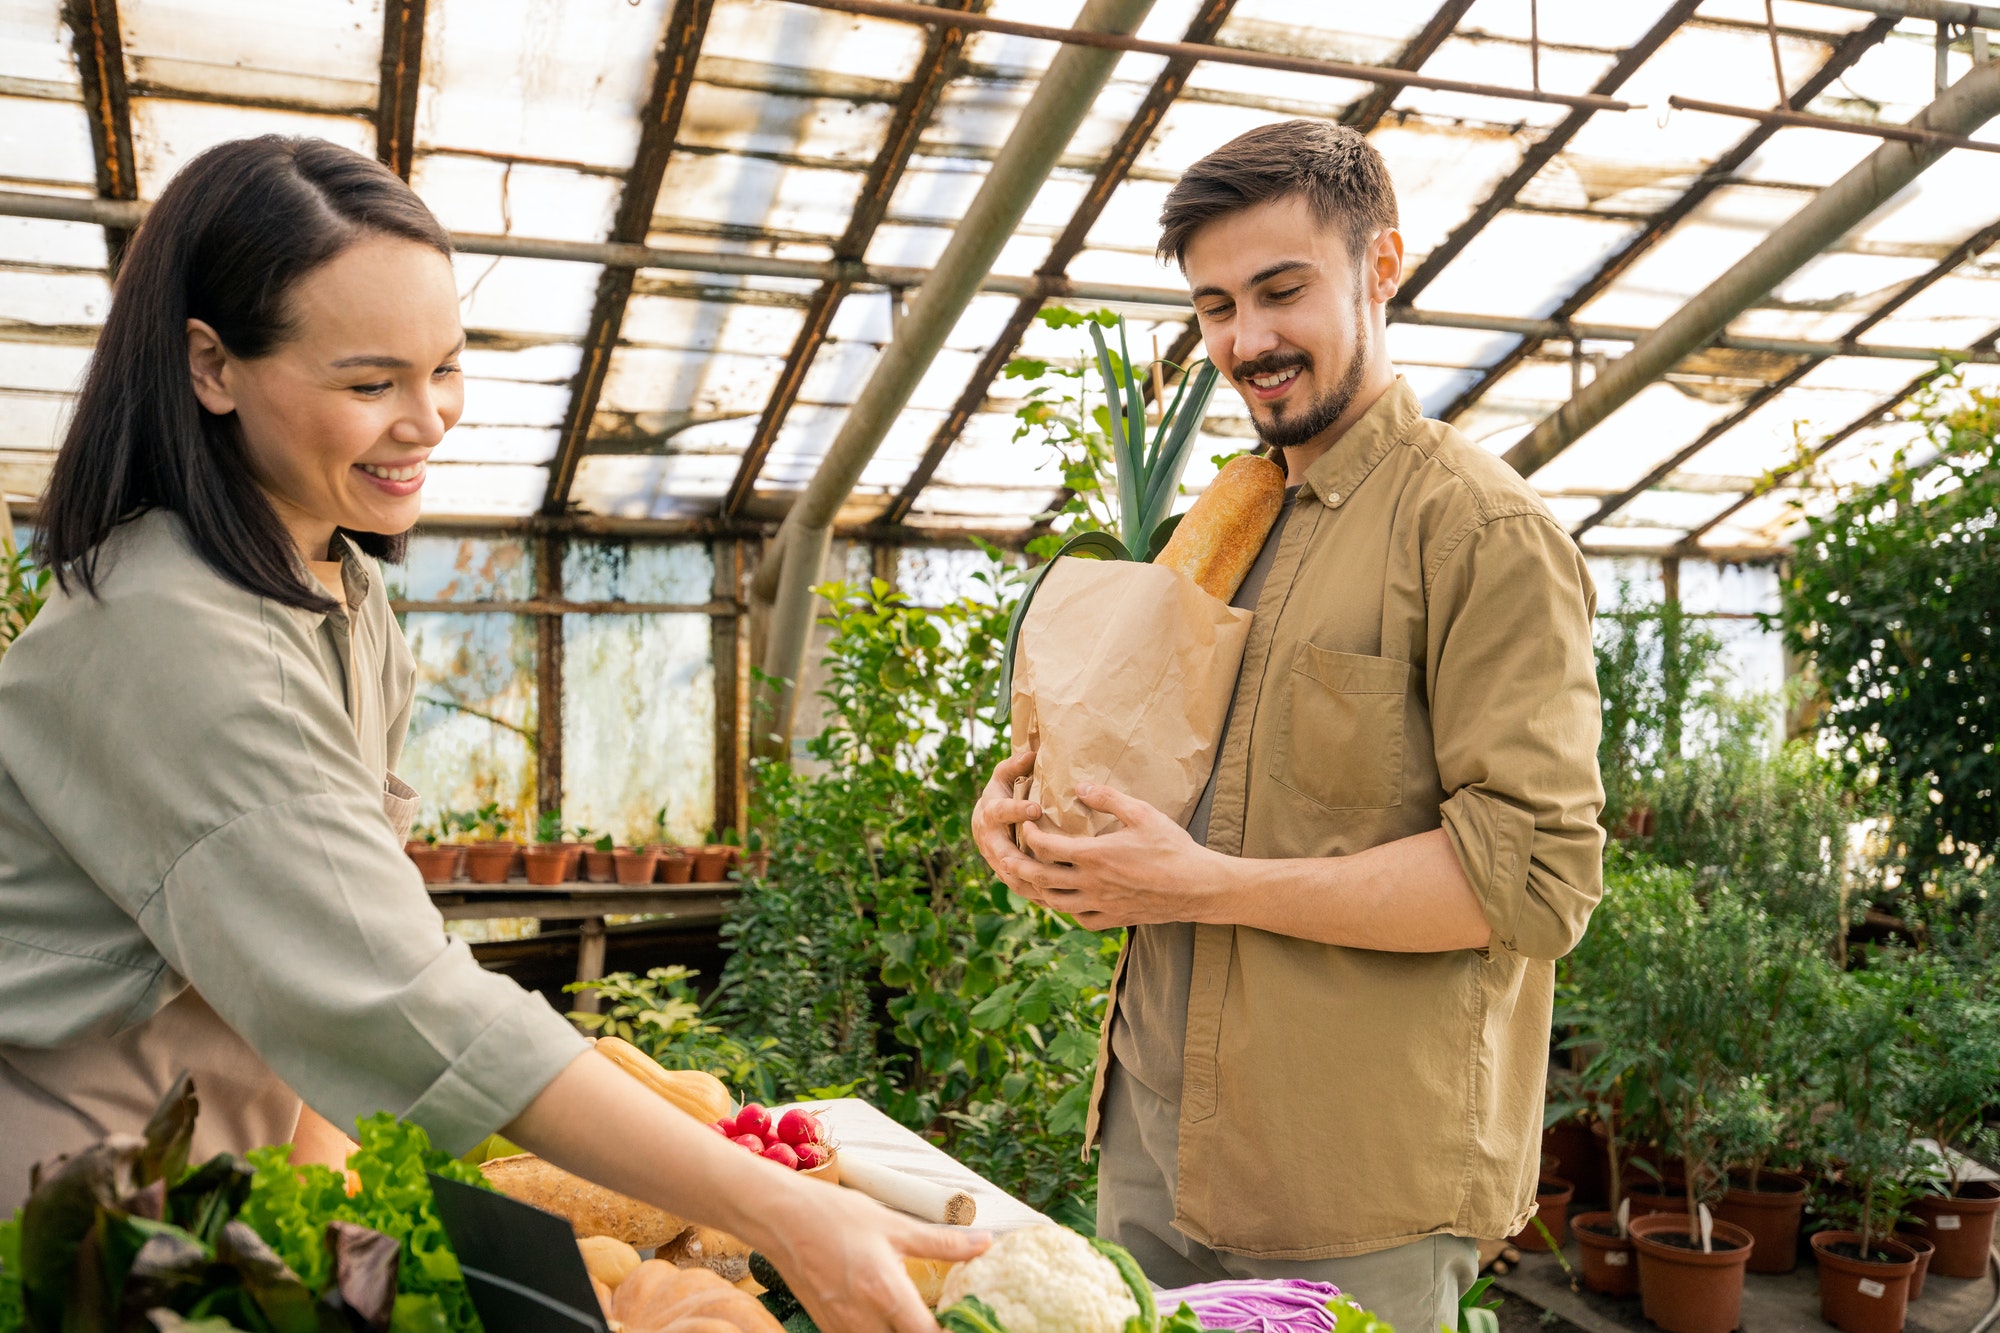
[[1333, 499]]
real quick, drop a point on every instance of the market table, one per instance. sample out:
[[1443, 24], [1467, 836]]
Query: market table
[[690, 904]]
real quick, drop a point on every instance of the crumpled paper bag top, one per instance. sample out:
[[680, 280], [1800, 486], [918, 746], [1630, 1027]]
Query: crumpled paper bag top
[[1123, 676]]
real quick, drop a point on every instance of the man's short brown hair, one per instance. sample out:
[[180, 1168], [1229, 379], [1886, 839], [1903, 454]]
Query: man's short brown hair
[[1338, 172]]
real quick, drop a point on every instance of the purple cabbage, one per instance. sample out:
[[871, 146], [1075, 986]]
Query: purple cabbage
[[1289, 1305]]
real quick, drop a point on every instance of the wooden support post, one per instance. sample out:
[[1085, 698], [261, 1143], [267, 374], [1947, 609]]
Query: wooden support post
[[883, 559], [589, 960], [1673, 671], [729, 646], [548, 679]]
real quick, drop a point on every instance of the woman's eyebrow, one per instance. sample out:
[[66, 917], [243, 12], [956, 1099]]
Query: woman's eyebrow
[[382, 361]]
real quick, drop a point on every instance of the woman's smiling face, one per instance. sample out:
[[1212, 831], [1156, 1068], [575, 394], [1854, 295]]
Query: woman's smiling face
[[338, 420]]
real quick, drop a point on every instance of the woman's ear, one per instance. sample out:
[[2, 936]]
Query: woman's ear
[[207, 360]]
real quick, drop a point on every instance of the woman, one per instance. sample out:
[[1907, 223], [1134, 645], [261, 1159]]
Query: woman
[[201, 857]]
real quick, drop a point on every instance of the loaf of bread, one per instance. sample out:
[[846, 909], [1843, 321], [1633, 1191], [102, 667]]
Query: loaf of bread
[[1219, 537], [705, 1247], [590, 1209], [658, 1296]]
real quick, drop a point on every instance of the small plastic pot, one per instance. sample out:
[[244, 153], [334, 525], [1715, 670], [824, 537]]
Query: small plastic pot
[[490, 862], [1961, 1226], [1862, 1295], [1653, 1197], [1924, 1251], [545, 863], [1607, 1256], [1683, 1289], [1552, 1196], [438, 865], [1771, 1214], [634, 865]]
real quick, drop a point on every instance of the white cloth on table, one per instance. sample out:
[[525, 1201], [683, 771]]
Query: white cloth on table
[[860, 1130]]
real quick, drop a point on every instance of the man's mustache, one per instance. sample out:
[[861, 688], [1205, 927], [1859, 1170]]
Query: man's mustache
[[1272, 364]]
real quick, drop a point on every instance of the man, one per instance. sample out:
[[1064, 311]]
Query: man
[[1326, 1053]]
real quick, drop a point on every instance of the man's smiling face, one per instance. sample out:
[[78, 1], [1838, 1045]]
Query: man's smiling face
[[1285, 312]]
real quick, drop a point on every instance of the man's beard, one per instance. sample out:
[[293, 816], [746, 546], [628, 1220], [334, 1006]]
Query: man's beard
[[1286, 430]]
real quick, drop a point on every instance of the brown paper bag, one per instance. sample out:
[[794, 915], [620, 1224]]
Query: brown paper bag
[[1122, 677]]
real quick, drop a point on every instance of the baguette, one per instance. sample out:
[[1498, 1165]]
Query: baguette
[[1218, 539], [591, 1210], [701, 1095]]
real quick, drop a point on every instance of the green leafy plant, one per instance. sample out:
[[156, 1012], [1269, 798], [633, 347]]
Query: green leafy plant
[[879, 950], [604, 843], [661, 1014], [549, 826], [1894, 597], [489, 823], [24, 589], [1953, 1070]]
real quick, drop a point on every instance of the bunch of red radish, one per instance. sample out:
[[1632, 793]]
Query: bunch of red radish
[[797, 1140]]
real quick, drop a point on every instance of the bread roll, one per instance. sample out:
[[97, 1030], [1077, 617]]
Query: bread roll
[[705, 1247], [609, 1259], [1219, 537], [928, 1275], [590, 1209]]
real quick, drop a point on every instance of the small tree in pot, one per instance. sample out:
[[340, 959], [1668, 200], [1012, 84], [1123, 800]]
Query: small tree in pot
[[1949, 1081]]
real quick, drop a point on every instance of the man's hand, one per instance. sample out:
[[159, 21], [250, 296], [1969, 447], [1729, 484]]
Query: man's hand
[[1145, 873], [996, 813]]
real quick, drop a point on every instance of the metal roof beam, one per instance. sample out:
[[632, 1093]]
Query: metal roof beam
[[1935, 11], [1061, 100], [943, 57], [1131, 143], [107, 104], [673, 76], [1976, 244], [1367, 113], [1543, 150], [400, 83], [1960, 109], [1722, 172]]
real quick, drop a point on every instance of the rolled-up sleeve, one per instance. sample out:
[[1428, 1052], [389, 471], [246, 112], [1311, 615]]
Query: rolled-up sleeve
[[1515, 718]]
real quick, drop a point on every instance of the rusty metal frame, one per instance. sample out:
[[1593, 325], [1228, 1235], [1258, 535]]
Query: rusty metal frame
[[1976, 244], [100, 66], [1138, 133], [673, 77], [1543, 151], [401, 81], [1844, 56], [943, 58]]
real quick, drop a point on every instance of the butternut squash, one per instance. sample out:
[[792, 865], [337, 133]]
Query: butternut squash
[[702, 1095]]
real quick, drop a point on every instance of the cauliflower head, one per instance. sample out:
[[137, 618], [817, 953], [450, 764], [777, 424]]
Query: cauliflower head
[[1046, 1280]]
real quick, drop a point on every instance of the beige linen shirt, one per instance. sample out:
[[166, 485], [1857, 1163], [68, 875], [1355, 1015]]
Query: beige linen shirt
[[197, 814], [1420, 658]]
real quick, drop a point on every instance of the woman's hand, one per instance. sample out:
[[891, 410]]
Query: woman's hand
[[841, 1252], [843, 1255]]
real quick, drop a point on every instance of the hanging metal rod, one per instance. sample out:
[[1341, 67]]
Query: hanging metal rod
[[1571, 331], [1223, 55], [1805, 120], [1930, 11]]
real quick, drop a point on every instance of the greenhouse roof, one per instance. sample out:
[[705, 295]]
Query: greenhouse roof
[[793, 170]]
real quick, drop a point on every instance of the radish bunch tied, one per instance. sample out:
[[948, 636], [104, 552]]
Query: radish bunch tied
[[797, 1141]]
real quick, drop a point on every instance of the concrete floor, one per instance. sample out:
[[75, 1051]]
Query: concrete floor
[[1771, 1304]]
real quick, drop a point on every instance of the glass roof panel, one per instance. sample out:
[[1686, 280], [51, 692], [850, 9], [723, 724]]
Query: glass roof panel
[[1483, 279], [43, 367], [1951, 312], [482, 195], [31, 421], [167, 134], [525, 295], [309, 55], [499, 490], [1726, 226], [1638, 436], [1826, 399], [44, 143], [34, 43], [49, 244], [54, 298]]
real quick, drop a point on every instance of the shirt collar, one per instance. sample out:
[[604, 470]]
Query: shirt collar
[[1336, 474], [353, 579]]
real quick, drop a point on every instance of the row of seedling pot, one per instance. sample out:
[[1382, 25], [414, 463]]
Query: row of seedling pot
[[1732, 1084], [475, 846]]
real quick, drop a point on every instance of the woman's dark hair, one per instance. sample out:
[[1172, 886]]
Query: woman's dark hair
[[230, 236]]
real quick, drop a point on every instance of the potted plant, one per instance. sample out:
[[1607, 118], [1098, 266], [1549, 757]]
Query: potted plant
[[490, 858], [1950, 1080], [710, 861], [1864, 1273], [634, 864], [756, 862], [580, 839], [546, 859], [438, 864], [1662, 996], [1552, 1198], [598, 860]]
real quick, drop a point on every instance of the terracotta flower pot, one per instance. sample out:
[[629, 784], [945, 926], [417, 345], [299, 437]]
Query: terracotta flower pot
[[1862, 1295], [1652, 1197], [1682, 1289], [676, 867], [709, 863], [1770, 1213], [489, 862], [598, 867], [755, 865], [634, 865], [1552, 1196], [1607, 1256], [572, 861], [1579, 1157], [1960, 1225], [1924, 1251], [545, 863], [438, 865]]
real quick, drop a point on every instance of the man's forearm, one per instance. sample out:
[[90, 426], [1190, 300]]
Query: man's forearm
[[1407, 896]]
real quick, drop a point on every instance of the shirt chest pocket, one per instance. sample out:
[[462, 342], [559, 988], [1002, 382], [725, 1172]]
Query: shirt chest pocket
[[1339, 732]]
